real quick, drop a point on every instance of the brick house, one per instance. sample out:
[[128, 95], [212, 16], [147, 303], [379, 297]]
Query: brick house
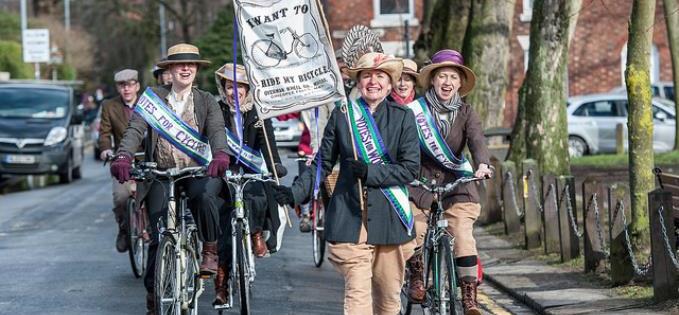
[[596, 59]]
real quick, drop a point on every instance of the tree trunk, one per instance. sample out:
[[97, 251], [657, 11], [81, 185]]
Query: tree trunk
[[640, 119], [672, 23], [541, 130], [422, 45], [486, 51], [450, 19]]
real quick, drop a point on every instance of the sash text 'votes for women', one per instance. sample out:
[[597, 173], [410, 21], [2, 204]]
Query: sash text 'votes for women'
[[166, 123]]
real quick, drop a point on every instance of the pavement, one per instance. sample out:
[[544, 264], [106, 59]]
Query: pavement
[[545, 288]]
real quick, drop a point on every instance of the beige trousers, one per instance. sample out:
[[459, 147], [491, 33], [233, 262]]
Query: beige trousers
[[373, 275], [461, 217], [120, 194]]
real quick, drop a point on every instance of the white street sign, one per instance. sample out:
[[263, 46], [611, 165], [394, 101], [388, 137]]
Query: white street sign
[[36, 45]]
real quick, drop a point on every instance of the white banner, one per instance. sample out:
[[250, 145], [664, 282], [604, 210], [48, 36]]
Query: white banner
[[288, 55]]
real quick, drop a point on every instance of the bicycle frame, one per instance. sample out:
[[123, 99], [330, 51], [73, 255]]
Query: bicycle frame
[[239, 214]]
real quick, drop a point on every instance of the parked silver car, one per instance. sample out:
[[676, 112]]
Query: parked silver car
[[287, 132], [592, 120]]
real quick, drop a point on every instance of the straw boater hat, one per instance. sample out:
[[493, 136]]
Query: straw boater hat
[[410, 67], [378, 61], [448, 58], [182, 53]]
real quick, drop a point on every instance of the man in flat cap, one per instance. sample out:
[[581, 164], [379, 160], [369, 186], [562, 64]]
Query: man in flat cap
[[115, 114]]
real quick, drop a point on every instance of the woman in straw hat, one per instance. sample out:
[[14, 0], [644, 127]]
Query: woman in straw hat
[[259, 196], [446, 80], [370, 232], [199, 111], [404, 91]]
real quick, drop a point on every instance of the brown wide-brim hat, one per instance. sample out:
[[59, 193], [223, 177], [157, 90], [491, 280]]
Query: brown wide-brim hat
[[448, 58], [226, 72], [378, 61], [182, 53], [410, 67]]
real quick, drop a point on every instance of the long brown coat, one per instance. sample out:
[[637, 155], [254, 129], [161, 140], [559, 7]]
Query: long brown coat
[[465, 131]]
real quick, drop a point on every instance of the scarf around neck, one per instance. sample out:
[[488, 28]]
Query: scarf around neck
[[403, 100], [444, 113]]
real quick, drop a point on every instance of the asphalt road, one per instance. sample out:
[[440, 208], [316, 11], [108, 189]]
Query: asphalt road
[[57, 256]]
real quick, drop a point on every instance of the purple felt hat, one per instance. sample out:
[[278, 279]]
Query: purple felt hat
[[448, 58]]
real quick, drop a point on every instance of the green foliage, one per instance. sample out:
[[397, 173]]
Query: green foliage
[[11, 61], [622, 160], [10, 27], [66, 72], [216, 45]]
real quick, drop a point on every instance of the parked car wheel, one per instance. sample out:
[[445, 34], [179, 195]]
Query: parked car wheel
[[576, 146], [66, 176]]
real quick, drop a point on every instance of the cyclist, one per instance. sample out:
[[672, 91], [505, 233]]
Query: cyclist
[[404, 91], [446, 80], [199, 110], [115, 114], [368, 246], [262, 207]]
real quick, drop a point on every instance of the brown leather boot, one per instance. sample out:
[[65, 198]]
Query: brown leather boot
[[208, 265], [258, 244], [469, 297], [221, 289], [416, 290], [121, 239], [150, 303]]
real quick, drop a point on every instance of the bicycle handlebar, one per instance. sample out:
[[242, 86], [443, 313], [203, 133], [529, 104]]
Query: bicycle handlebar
[[236, 178], [445, 188], [146, 168]]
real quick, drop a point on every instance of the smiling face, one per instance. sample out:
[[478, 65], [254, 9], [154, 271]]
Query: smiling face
[[446, 82], [374, 85], [183, 74], [405, 85], [230, 95]]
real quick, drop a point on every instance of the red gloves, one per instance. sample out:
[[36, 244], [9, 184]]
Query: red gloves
[[218, 165], [121, 167]]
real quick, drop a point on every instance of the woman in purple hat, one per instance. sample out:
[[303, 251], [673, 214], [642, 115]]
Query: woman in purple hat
[[445, 81]]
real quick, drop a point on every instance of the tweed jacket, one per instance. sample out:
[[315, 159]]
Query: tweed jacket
[[343, 216], [113, 123], [466, 131]]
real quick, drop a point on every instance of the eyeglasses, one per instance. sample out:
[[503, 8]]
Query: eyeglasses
[[125, 84]]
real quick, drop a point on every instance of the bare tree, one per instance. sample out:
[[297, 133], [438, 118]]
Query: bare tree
[[541, 131], [640, 120], [446, 29], [486, 50]]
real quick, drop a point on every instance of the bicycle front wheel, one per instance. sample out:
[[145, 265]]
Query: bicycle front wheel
[[318, 233], [166, 280], [192, 282], [243, 270], [447, 298], [135, 238]]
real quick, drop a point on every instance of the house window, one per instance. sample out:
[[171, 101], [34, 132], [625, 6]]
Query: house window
[[654, 63], [524, 42], [527, 13], [393, 13]]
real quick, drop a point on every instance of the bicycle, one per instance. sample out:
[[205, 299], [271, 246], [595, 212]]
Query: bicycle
[[440, 279], [243, 258], [178, 283], [267, 53], [316, 214]]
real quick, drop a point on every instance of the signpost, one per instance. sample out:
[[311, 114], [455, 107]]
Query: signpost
[[36, 47]]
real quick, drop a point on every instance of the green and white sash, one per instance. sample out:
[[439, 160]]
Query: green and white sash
[[169, 126], [371, 149], [433, 144], [254, 160]]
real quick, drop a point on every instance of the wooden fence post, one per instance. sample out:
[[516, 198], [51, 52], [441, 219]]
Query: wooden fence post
[[532, 217], [509, 198], [570, 244], [491, 200], [550, 218], [620, 138], [622, 271], [595, 254], [664, 272]]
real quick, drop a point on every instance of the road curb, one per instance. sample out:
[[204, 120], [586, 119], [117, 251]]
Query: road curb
[[523, 298]]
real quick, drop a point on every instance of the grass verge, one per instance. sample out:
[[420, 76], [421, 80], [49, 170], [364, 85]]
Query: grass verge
[[621, 160]]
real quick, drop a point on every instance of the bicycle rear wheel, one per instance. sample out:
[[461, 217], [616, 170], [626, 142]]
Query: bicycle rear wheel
[[243, 270], [318, 232], [135, 229], [166, 278]]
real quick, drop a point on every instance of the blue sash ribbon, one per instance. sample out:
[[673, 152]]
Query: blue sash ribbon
[[251, 158]]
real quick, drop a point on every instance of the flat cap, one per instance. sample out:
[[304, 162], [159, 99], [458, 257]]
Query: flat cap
[[126, 75]]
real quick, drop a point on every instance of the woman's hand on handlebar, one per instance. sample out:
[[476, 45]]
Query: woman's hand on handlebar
[[484, 171]]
